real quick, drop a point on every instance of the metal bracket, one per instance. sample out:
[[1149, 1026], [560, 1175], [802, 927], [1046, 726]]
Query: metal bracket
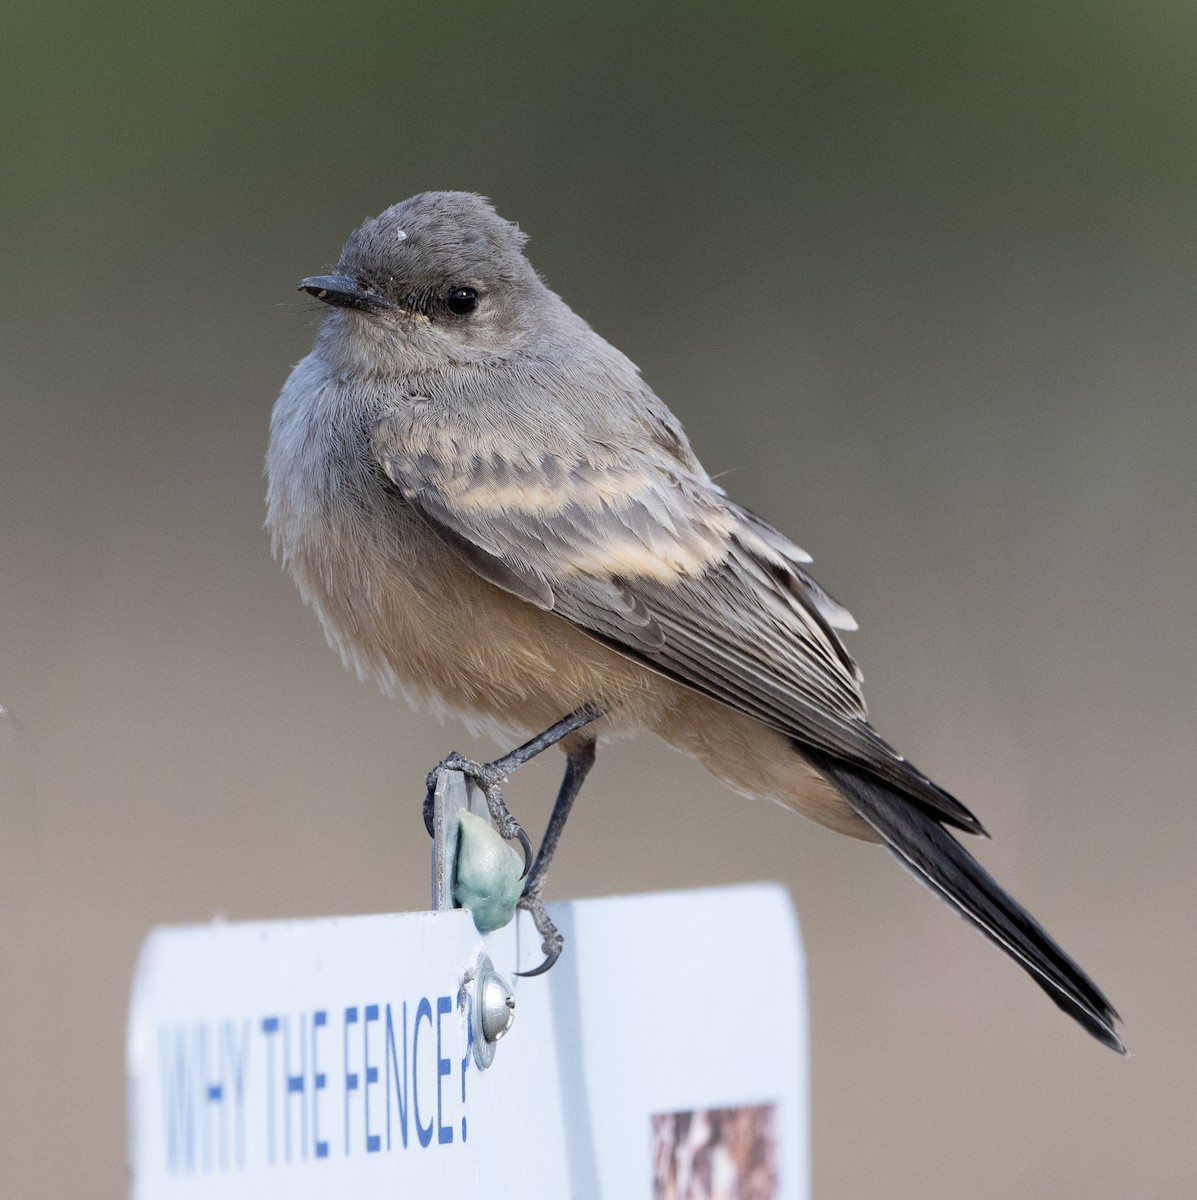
[[454, 794]]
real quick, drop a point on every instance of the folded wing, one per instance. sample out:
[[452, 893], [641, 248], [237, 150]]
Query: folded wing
[[648, 556]]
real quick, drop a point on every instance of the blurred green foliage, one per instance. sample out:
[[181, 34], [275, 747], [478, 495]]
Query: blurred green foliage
[[148, 129]]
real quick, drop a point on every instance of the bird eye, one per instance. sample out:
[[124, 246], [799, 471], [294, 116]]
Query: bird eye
[[462, 301]]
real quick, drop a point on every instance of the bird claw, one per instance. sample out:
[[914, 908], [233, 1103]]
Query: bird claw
[[551, 956], [526, 845]]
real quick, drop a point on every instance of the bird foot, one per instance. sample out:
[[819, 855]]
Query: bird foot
[[552, 943], [487, 776]]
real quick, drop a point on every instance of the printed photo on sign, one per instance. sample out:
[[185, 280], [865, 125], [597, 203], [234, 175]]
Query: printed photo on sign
[[715, 1154]]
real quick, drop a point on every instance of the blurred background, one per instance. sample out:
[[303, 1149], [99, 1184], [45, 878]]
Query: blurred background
[[920, 281]]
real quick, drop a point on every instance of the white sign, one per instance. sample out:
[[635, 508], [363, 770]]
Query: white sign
[[665, 1055]]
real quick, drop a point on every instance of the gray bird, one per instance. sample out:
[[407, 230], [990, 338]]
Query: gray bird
[[490, 511]]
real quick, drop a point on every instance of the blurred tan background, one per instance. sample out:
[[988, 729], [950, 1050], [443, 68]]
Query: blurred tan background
[[920, 278]]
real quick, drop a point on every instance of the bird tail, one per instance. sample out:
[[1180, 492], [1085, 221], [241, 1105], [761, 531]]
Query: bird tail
[[941, 863]]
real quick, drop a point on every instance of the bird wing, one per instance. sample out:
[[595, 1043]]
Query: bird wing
[[642, 552]]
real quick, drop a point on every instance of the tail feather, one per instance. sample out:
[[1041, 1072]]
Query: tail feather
[[940, 862]]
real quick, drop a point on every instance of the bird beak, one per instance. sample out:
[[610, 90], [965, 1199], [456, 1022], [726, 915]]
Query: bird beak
[[343, 291]]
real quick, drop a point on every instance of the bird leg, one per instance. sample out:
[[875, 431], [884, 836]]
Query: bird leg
[[577, 766], [489, 775]]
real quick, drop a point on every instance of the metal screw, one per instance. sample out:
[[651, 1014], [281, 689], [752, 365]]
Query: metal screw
[[492, 1011]]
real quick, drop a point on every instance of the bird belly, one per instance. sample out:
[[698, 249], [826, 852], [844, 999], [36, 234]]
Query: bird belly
[[405, 609]]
